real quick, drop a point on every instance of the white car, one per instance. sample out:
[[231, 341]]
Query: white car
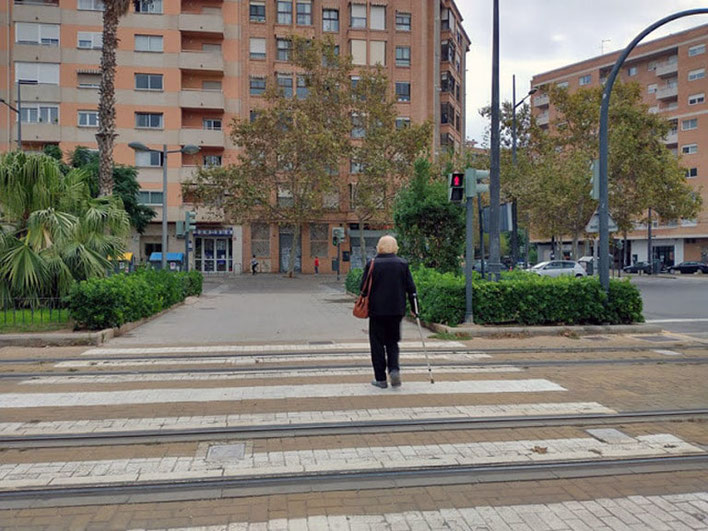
[[557, 268]]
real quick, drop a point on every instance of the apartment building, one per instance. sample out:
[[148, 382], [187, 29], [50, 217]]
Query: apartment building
[[672, 73], [186, 68]]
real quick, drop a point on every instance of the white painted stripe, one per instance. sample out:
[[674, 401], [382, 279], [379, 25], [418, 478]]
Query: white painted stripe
[[668, 352], [260, 360], [363, 347], [14, 475], [682, 511], [681, 320], [295, 418], [289, 373], [165, 396]]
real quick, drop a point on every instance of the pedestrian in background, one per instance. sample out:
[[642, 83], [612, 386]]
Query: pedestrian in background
[[317, 266], [254, 265], [391, 282]]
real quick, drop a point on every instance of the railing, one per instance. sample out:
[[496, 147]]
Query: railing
[[18, 313], [54, 3]]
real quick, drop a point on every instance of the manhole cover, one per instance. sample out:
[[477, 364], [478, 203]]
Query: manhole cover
[[226, 452], [655, 339]]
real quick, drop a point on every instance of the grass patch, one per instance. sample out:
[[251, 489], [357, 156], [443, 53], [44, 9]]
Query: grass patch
[[39, 320], [449, 336]]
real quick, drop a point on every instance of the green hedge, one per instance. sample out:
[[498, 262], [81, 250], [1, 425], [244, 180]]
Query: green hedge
[[523, 298], [113, 301]]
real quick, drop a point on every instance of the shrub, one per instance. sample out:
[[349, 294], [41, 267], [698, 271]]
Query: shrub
[[113, 301], [353, 280]]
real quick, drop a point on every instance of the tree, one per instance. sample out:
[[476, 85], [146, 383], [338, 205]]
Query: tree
[[384, 153], [288, 152], [52, 232], [430, 229], [125, 186]]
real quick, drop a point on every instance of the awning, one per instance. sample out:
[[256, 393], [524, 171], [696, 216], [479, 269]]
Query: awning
[[171, 257], [125, 257], [88, 71]]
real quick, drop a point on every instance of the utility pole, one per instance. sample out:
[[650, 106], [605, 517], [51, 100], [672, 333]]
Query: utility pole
[[650, 252], [494, 183]]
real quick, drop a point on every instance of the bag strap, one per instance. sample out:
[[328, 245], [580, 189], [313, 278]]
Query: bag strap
[[369, 279]]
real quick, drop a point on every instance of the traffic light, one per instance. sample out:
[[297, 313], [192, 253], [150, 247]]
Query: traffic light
[[456, 185], [190, 221], [337, 235], [473, 182], [595, 179]]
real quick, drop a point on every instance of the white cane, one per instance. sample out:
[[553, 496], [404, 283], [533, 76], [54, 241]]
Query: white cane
[[420, 331]]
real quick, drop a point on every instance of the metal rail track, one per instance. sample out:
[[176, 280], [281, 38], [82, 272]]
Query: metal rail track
[[343, 428], [234, 487]]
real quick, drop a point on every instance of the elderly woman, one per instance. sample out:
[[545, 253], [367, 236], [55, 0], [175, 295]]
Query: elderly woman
[[391, 282]]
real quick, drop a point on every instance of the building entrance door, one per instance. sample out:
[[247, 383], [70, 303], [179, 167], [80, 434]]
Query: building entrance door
[[285, 247], [213, 254]]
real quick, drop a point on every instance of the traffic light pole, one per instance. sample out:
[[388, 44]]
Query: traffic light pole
[[339, 244], [186, 250], [469, 258]]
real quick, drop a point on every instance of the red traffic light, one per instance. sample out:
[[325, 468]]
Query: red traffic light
[[457, 179]]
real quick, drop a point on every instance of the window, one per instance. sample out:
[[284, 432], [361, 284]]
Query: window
[[651, 89], [148, 43], [358, 52], [31, 33], [211, 160], [257, 86], [211, 85], [304, 13], [403, 122], [253, 115], [632, 71], [691, 173], [260, 239], [302, 90], [689, 149], [258, 48], [148, 159], [687, 125], [693, 75], [283, 47], [285, 83], [257, 11], [651, 66], [403, 21], [89, 40], [46, 73], [446, 113], [40, 114], [211, 47], [698, 49], [88, 119], [403, 91], [319, 239], [212, 124], [90, 5], [357, 16], [584, 80], [148, 81], [148, 6], [378, 18], [358, 130], [355, 167], [695, 99], [148, 120], [150, 198], [88, 80], [444, 19], [354, 81], [403, 56], [330, 20], [285, 12], [377, 52]]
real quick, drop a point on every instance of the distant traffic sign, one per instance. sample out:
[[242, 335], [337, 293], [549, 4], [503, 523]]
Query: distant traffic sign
[[594, 223]]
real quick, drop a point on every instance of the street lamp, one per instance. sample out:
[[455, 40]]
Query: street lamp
[[187, 150], [514, 215], [18, 109]]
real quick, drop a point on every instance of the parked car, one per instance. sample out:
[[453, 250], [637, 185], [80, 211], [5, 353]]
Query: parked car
[[689, 267], [637, 267], [556, 268]]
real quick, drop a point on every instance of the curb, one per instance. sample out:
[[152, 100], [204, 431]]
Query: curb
[[80, 339], [528, 331]]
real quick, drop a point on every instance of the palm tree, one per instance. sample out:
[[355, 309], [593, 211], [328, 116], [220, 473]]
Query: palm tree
[[113, 10], [52, 232]]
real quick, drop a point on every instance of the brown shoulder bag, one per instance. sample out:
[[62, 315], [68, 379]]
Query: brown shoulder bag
[[361, 306]]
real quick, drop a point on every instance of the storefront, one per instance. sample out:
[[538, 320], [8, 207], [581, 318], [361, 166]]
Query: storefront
[[214, 250]]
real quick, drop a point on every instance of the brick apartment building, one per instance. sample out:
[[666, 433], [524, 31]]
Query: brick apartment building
[[187, 67], [672, 74]]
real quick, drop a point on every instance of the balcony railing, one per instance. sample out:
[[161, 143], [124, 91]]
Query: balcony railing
[[36, 132], [667, 92], [666, 69], [671, 138], [202, 23], [193, 60], [202, 137], [201, 99], [541, 101], [543, 118]]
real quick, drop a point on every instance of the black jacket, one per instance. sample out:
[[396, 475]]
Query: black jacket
[[391, 282]]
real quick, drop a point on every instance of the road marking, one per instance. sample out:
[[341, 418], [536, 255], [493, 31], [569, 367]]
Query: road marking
[[295, 418], [251, 375], [275, 392], [350, 459], [251, 360], [363, 347], [696, 320], [647, 512], [668, 352]]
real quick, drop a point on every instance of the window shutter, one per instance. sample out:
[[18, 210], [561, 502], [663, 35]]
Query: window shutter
[[51, 31], [358, 10], [378, 18], [258, 46], [377, 52], [26, 71], [358, 52], [26, 32], [48, 73]]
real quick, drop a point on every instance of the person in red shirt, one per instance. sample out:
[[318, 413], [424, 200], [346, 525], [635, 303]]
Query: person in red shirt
[[317, 266]]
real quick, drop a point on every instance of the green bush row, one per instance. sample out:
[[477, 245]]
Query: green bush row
[[522, 298], [112, 301]]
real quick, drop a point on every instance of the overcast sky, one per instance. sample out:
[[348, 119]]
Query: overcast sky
[[540, 35]]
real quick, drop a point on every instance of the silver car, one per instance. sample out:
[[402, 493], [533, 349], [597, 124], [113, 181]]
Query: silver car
[[556, 268]]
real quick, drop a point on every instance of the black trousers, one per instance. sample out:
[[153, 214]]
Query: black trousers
[[384, 335]]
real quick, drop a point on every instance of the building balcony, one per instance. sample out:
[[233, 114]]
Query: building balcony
[[671, 138], [202, 137], [36, 11], [41, 132], [37, 53], [541, 101], [543, 118], [201, 99], [667, 93], [201, 23], [667, 69], [41, 92], [189, 60]]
